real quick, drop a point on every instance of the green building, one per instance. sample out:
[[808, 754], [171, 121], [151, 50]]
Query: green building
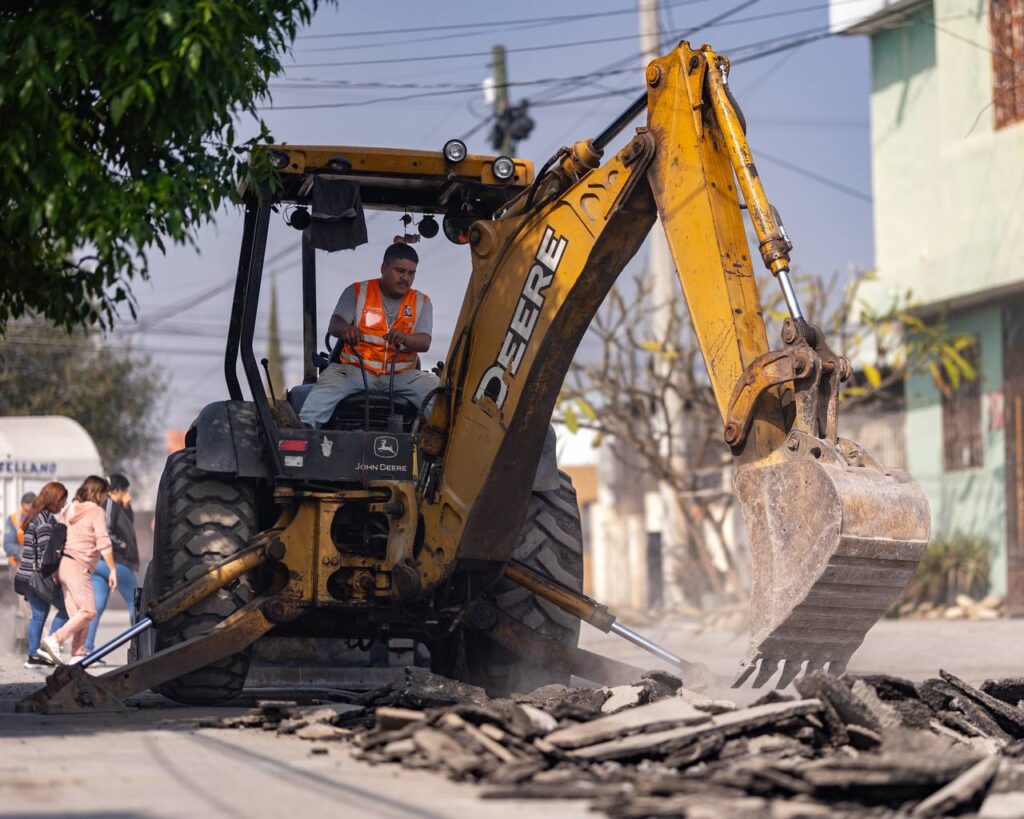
[[947, 140]]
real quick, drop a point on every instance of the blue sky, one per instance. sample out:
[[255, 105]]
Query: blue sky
[[807, 107]]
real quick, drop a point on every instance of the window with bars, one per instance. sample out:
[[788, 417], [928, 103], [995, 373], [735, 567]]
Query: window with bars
[[1007, 20], [962, 441]]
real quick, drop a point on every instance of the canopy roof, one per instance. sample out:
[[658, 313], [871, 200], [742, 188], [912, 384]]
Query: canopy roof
[[46, 446]]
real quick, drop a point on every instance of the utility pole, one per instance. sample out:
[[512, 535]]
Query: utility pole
[[275, 366], [666, 291], [500, 69]]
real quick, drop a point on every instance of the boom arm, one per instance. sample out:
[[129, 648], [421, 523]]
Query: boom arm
[[540, 273], [540, 276]]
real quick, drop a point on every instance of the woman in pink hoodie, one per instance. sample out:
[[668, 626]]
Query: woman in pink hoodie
[[87, 542]]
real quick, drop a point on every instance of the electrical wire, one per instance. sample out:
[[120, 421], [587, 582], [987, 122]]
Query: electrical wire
[[489, 24], [722, 19], [189, 302], [737, 21], [823, 180]]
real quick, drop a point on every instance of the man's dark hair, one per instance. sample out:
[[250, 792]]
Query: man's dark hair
[[400, 251], [118, 482]]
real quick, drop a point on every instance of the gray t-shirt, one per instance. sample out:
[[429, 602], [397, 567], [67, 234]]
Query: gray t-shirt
[[347, 310]]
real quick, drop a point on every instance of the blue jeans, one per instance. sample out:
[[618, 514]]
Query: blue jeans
[[126, 585], [40, 609]]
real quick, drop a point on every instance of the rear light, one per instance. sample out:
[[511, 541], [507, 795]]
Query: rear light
[[292, 445]]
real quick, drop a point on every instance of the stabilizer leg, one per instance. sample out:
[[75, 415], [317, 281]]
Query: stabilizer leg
[[70, 688]]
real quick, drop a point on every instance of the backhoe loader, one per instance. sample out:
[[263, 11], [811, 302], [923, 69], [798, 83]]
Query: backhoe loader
[[453, 526]]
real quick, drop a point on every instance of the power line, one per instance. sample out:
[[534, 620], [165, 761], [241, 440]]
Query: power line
[[677, 35], [491, 23], [189, 302], [737, 21], [588, 78], [721, 19], [447, 89], [823, 180]]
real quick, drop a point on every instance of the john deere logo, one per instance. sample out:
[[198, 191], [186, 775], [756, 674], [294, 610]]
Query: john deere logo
[[384, 446]]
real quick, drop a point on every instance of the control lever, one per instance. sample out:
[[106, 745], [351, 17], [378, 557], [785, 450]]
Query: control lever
[[394, 420], [366, 387], [270, 384]]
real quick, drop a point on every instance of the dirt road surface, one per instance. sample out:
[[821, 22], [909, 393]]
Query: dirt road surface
[[153, 761]]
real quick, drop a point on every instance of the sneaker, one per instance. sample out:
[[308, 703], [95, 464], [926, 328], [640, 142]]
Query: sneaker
[[51, 648], [38, 662]]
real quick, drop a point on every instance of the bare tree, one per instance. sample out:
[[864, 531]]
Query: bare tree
[[626, 383]]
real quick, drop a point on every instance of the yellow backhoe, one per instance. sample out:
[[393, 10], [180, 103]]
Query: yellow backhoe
[[458, 531]]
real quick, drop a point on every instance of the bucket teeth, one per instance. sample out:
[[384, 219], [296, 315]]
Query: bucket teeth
[[763, 669], [747, 667], [769, 665], [815, 664], [790, 671], [837, 667], [834, 544]]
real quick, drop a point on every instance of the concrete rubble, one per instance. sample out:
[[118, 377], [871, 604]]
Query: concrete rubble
[[872, 745], [964, 607]]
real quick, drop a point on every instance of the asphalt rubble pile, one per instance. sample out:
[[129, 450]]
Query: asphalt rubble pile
[[871, 745]]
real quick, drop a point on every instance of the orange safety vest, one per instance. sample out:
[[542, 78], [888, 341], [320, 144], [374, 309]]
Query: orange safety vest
[[17, 519], [378, 355]]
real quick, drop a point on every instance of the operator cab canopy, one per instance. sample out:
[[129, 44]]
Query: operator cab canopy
[[339, 181]]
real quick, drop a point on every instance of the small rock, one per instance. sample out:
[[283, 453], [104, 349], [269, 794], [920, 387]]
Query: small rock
[[400, 748], [290, 726], [705, 703], [966, 602], [622, 696], [954, 613], [425, 690], [389, 719], [541, 722], [321, 731]]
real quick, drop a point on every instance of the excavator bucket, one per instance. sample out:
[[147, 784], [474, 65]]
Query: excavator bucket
[[835, 538]]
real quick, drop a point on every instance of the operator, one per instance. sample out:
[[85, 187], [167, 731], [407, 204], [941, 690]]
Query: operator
[[385, 322]]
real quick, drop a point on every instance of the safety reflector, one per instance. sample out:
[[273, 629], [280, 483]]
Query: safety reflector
[[293, 445]]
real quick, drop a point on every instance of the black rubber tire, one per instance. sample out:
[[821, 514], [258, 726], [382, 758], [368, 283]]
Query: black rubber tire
[[551, 543], [201, 519]]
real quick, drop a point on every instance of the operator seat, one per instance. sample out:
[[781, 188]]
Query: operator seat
[[350, 413]]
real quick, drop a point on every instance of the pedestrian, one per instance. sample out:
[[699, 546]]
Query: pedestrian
[[87, 542], [121, 526], [14, 529], [40, 592]]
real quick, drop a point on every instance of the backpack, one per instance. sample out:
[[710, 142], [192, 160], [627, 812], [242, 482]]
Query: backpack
[[50, 554]]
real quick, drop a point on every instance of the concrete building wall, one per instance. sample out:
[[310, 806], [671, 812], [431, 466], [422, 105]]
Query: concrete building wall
[[971, 501], [948, 190]]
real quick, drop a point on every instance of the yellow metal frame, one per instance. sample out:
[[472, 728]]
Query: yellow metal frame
[[399, 162]]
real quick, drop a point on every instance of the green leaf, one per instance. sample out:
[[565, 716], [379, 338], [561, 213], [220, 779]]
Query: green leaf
[[571, 422], [120, 103], [911, 321], [195, 55], [584, 406], [873, 376], [952, 374]]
